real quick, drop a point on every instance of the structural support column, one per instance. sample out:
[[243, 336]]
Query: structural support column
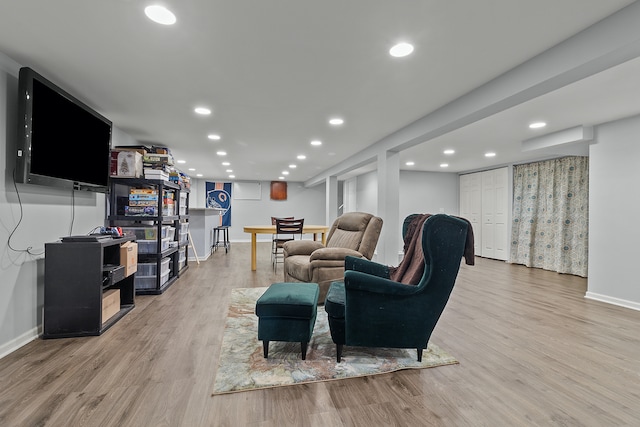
[[331, 199], [389, 208]]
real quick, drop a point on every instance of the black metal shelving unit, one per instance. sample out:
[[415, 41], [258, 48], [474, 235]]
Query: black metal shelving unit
[[118, 203]]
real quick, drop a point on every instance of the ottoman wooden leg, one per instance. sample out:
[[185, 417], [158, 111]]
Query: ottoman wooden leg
[[303, 348], [265, 348]]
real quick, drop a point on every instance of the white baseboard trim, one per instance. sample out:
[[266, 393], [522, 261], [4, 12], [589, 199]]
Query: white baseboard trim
[[612, 300], [200, 258], [19, 341]]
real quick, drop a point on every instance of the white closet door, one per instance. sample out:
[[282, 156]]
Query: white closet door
[[488, 215], [465, 197], [501, 213], [471, 205], [484, 201]]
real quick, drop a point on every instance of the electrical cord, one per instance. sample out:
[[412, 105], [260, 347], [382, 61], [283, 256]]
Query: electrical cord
[[29, 248], [73, 210]]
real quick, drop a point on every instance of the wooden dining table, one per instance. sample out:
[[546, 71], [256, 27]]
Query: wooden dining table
[[271, 229]]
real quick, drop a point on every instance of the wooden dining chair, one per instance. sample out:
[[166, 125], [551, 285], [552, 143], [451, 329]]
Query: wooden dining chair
[[274, 235], [286, 230]]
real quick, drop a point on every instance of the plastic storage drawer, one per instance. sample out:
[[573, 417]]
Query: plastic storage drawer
[[149, 232], [149, 268], [149, 282], [184, 233], [171, 233], [183, 204], [151, 246]]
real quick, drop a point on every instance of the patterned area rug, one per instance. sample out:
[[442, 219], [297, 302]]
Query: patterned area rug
[[242, 366]]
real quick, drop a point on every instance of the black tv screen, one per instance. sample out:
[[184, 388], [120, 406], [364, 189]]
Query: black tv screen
[[62, 141]]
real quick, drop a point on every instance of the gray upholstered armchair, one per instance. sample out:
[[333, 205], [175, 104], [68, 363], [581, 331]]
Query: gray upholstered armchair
[[354, 233]]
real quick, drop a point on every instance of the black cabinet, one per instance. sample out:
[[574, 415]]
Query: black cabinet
[[79, 282], [156, 212]]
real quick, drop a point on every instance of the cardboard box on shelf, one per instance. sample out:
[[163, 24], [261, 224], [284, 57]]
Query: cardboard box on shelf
[[143, 202], [140, 149], [147, 197], [158, 159], [129, 257], [110, 304], [126, 164], [141, 211], [143, 191]]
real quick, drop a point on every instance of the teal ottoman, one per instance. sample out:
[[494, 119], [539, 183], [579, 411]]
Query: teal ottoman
[[287, 312]]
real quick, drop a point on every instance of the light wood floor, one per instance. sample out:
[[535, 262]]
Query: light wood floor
[[532, 350]]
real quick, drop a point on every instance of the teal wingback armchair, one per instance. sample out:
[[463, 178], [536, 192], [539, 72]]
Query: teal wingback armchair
[[369, 309]]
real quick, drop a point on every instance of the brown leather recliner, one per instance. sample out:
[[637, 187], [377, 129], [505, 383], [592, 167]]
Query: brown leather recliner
[[353, 233]]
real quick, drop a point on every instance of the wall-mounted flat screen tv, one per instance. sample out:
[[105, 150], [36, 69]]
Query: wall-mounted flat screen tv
[[62, 142]]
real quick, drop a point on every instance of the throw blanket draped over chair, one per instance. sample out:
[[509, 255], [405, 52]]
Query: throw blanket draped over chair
[[411, 267]]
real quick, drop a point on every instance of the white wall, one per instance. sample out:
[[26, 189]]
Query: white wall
[[428, 192], [367, 193], [614, 233], [420, 192]]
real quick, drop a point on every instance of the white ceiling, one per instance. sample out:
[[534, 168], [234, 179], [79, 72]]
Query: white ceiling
[[274, 72]]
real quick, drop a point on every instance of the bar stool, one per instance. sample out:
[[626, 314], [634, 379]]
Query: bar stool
[[221, 232]]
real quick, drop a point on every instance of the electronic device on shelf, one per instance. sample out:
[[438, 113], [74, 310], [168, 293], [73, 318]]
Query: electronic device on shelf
[[112, 273], [85, 238], [111, 231]]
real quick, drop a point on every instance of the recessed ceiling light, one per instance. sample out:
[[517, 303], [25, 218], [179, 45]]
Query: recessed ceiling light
[[221, 153], [232, 176], [401, 49], [182, 161], [537, 125], [285, 172], [225, 163], [444, 165], [301, 157], [160, 14], [490, 154], [316, 142], [281, 177], [199, 175], [202, 110], [293, 166], [213, 136], [449, 151], [336, 121], [229, 170], [192, 169], [410, 163]]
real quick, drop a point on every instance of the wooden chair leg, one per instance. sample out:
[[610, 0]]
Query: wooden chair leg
[[303, 348], [265, 348]]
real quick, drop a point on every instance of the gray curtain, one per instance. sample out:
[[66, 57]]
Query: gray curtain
[[550, 227]]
